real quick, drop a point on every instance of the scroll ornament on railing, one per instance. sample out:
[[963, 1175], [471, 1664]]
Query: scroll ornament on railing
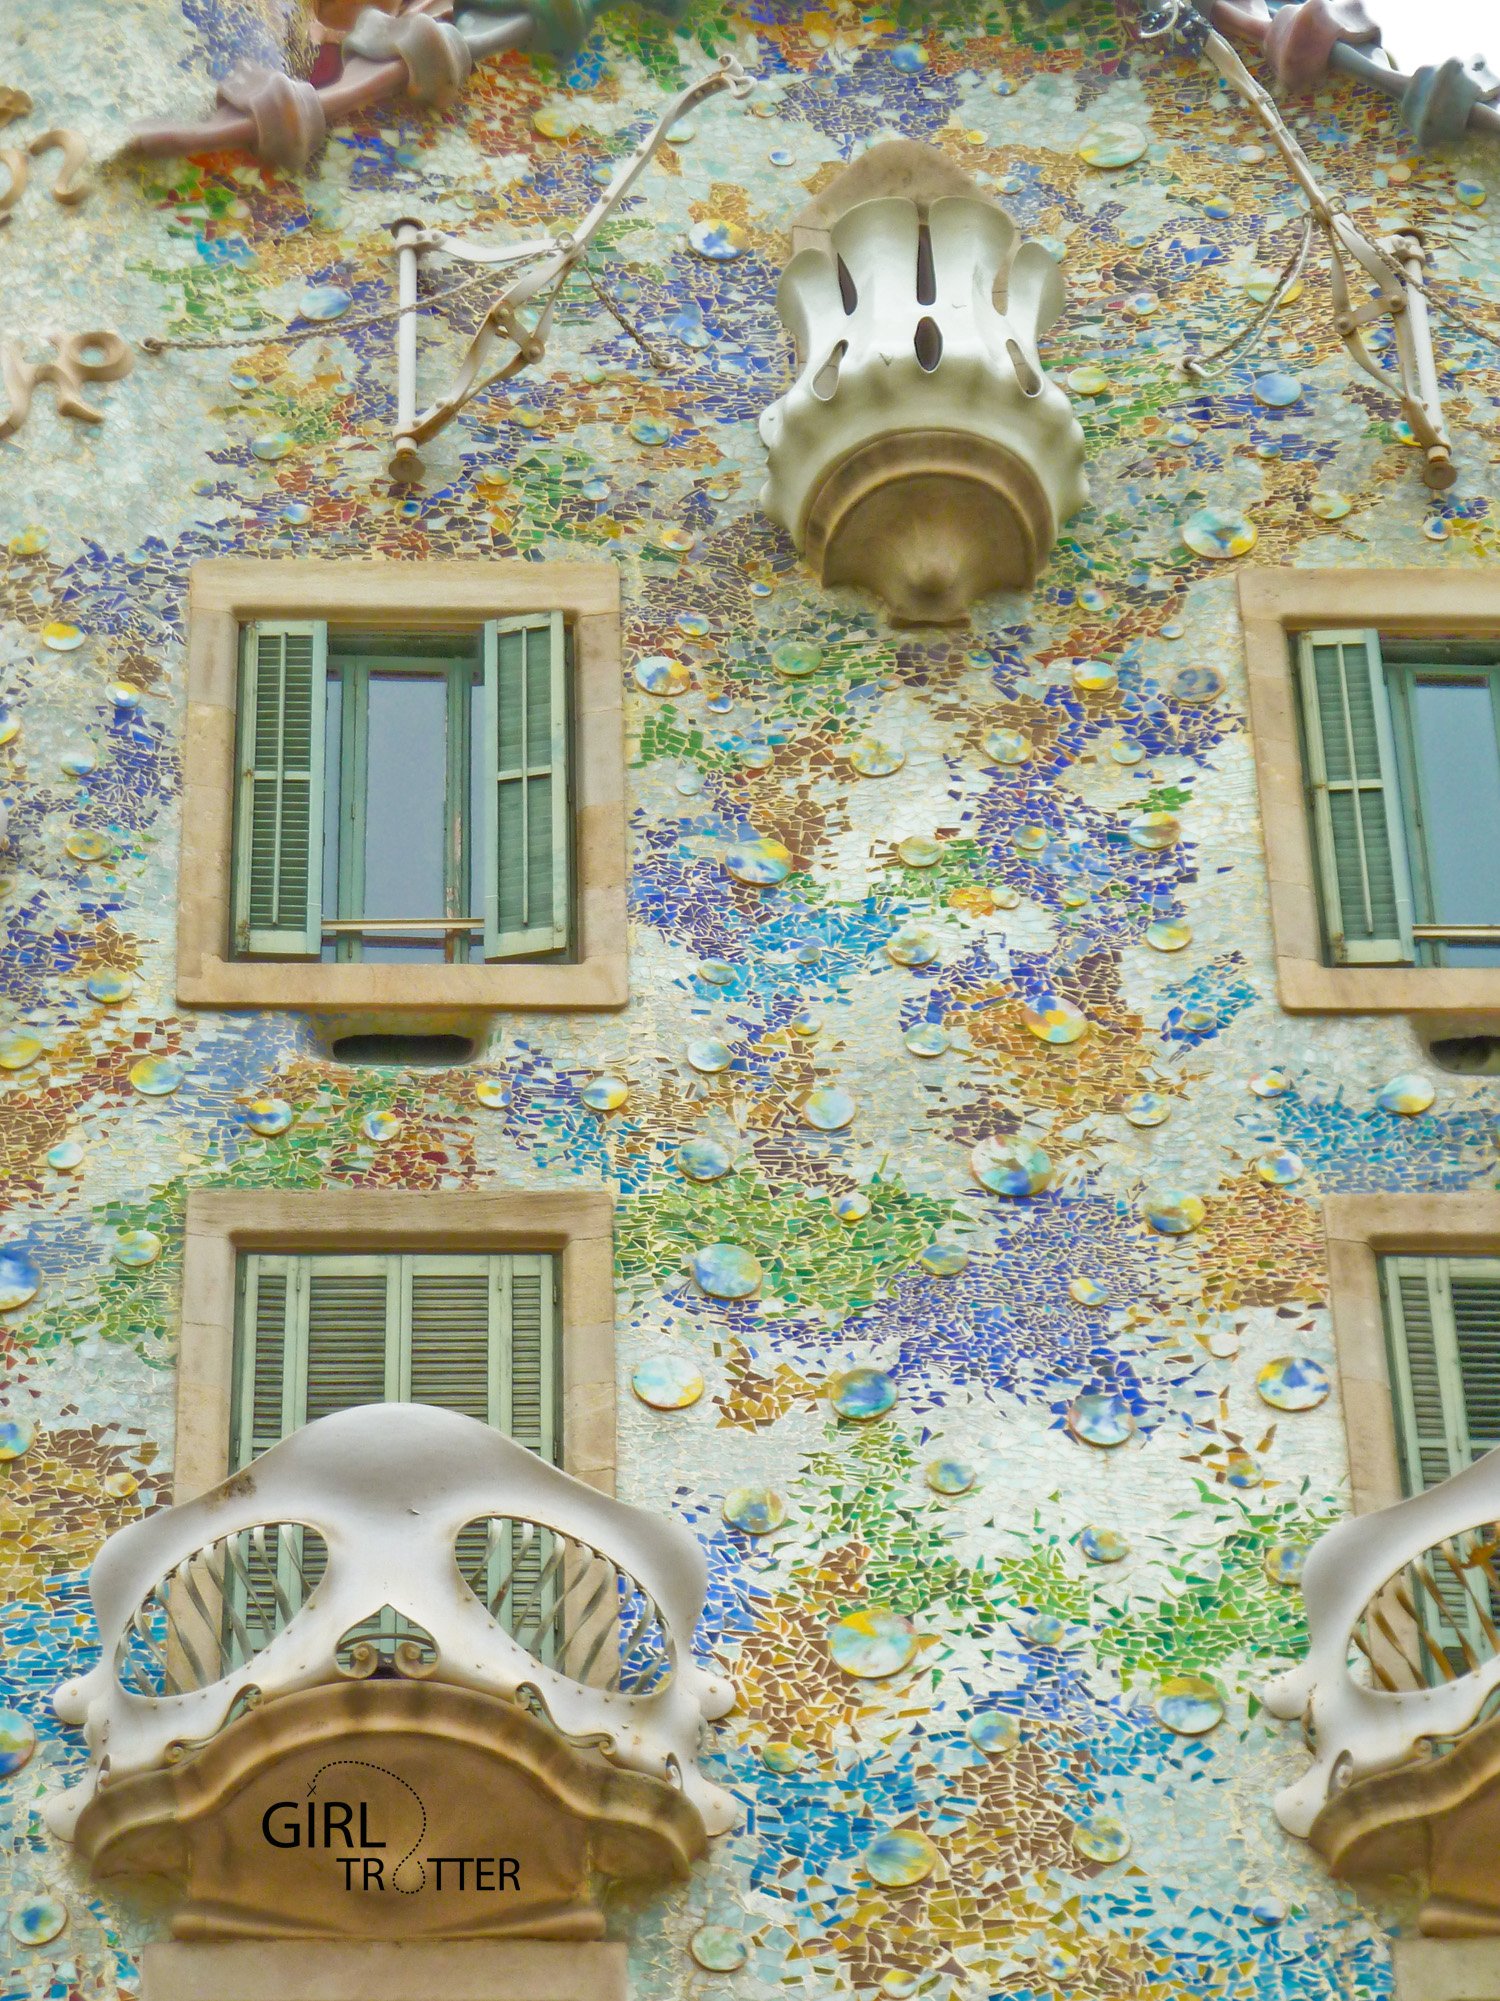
[[409, 1535], [410, 47]]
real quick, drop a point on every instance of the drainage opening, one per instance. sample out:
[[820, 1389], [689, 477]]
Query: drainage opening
[[1470, 1055], [405, 1052]]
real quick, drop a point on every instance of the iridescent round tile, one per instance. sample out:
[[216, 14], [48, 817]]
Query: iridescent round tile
[[760, 861], [1470, 194], [1013, 1167], [667, 1382], [1112, 143], [269, 1116], [1101, 1545], [1052, 1019], [709, 1055], [137, 1247], [1088, 380], [1270, 1910], [58, 636], [861, 1394], [912, 945], [715, 972], [1046, 1629], [78, 761], [1188, 1705], [109, 988], [652, 431], [899, 1859], [19, 1278], [120, 1486], [125, 696], [927, 1038], [19, 1052], [10, 723], [1407, 1095], [660, 674], [1293, 1382], [679, 541], [872, 1643], [1094, 677], [727, 1271], [919, 851], [273, 445], [795, 659], [493, 1093], [380, 1127], [1006, 898], [1147, 1109], [1270, 1084], [1032, 840], [876, 757], [604, 1094], [704, 1159], [65, 1156], [1276, 389], [1280, 1169], [1126, 750], [1169, 935], [718, 1949], [852, 1207], [1195, 687], [1242, 1471], [1219, 533], [1102, 1418], [1101, 1838], [943, 1260], [17, 1436], [1007, 746], [1284, 1563], [1154, 831], [828, 1110], [949, 1476], [995, 1733], [37, 1920], [1172, 1212], [324, 302], [754, 1510], [1327, 504], [718, 239], [555, 121], [157, 1076], [782, 1758], [17, 1740], [1087, 1290]]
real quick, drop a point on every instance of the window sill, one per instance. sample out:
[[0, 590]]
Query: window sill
[[1464, 995], [599, 982]]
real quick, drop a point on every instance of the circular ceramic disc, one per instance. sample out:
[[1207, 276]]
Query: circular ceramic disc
[[872, 1643]]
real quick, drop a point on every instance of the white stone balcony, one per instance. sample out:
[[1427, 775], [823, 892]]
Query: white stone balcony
[[398, 1677], [1396, 1695]]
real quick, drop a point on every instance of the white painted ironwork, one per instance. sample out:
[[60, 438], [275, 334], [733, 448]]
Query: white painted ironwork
[[1404, 1642], [415, 1537]]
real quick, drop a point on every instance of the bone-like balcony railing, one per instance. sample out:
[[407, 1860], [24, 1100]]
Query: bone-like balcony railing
[[1403, 1611], [403, 1539]]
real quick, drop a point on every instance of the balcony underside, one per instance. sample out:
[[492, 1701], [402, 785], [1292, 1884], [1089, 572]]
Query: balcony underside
[[398, 1783]]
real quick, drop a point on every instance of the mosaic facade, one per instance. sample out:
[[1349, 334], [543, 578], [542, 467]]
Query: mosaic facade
[[991, 1084]]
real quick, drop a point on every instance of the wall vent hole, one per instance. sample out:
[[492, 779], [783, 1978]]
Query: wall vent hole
[[926, 276], [1469, 1055], [929, 343], [1026, 375], [405, 1052], [847, 292]]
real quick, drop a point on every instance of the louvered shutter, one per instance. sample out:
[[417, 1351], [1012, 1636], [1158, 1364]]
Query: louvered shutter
[[1444, 1321], [526, 823], [1356, 808], [278, 867]]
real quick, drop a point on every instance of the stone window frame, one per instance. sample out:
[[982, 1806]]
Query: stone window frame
[[575, 1225], [1360, 1230], [230, 592], [1276, 605]]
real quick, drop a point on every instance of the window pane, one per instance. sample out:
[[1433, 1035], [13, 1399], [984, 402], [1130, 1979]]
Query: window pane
[[333, 742], [406, 783], [1453, 724]]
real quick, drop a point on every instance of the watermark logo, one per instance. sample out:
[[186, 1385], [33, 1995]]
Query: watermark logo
[[378, 1851]]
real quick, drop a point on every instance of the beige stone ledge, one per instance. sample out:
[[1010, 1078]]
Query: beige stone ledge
[[376, 1970], [1446, 1969]]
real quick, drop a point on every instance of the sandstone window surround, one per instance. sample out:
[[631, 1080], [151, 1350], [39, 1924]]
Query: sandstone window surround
[[1361, 1231], [421, 599], [1279, 607], [573, 1225]]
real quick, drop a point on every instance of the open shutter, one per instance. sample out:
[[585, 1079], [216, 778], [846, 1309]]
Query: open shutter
[[1444, 1319], [278, 871], [267, 1399], [526, 822], [1356, 807]]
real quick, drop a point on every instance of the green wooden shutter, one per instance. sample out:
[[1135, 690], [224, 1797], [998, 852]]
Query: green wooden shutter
[[1443, 1318], [278, 870], [526, 822], [1356, 807]]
